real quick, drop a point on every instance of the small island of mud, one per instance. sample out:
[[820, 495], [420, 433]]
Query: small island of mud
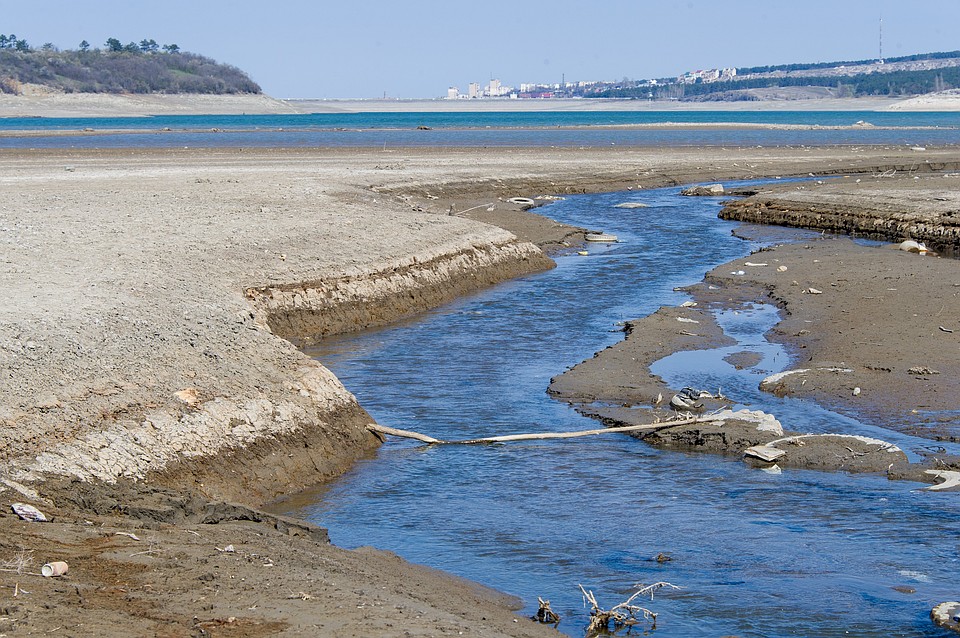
[[870, 328]]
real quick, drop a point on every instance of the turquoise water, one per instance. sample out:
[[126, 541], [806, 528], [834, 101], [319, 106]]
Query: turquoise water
[[484, 119], [800, 553], [479, 129]]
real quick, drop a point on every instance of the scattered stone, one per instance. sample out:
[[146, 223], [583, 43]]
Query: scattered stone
[[922, 370], [711, 190], [911, 246], [951, 480], [765, 422], [188, 396], [764, 453], [29, 513], [947, 615]]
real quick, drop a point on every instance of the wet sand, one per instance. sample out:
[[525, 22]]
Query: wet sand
[[142, 284]]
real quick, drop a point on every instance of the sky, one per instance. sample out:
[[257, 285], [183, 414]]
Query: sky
[[419, 48]]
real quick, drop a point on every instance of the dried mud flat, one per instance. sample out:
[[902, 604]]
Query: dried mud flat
[[148, 294]]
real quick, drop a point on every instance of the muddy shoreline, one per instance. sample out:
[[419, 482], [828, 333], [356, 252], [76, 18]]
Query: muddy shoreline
[[857, 321], [161, 323]]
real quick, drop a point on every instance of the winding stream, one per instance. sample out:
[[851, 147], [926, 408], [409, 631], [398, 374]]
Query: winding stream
[[801, 553]]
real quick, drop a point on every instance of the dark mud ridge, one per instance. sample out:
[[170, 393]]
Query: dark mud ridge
[[925, 210], [311, 310]]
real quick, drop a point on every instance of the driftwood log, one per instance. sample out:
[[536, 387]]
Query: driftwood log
[[536, 436], [625, 614]]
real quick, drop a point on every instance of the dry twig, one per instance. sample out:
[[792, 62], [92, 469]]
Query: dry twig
[[128, 535], [545, 614], [152, 550], [300, 595], [625, 614], [19, 563]]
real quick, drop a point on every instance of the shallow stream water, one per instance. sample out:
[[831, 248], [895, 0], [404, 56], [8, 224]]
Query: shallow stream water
[[801, 553]]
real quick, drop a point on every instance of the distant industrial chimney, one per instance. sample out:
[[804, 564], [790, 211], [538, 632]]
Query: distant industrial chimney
[[880, 59]]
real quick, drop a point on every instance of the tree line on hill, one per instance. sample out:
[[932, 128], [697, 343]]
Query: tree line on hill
[[147, 67], [940, 55], [898, 83], [893, 83]]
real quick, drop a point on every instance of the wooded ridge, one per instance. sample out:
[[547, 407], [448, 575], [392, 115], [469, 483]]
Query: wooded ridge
[[147, 67], [895, 77]]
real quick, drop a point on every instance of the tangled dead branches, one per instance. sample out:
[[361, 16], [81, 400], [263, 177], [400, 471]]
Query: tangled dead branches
[[545, 614], [19, 563], [625, 614]]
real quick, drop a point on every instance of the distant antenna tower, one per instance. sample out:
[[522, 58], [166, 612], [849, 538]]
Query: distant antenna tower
[[881, 40]]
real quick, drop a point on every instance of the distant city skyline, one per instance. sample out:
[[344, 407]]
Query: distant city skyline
[[419, 48]]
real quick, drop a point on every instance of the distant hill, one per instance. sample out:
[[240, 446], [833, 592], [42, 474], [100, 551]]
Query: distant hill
[[895, 77], [133, 68]]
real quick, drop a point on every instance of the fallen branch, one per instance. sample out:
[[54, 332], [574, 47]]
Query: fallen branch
[[537, 436], [480, 206], [546, 615], [624, 614], [406, 434]]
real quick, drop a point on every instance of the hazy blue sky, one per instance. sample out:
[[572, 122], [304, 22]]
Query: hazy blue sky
[[417, 48]]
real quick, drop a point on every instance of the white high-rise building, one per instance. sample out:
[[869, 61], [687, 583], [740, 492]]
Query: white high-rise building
[[453, 93], [474, 90], [493, 89]]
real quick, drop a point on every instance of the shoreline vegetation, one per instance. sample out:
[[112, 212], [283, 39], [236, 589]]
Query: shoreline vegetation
[[142, 68], [142, 283]]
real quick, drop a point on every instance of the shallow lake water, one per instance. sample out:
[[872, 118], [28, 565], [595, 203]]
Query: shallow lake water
[[564, 128], [800, 553]]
